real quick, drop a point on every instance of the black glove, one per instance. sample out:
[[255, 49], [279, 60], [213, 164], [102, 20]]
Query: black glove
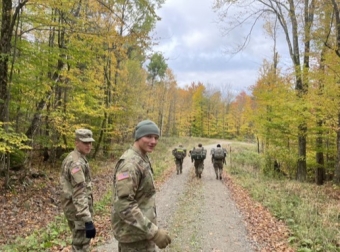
[[90, 230]]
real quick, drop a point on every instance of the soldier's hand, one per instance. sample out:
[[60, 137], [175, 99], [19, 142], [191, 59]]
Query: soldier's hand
[[162, 239], [90, 230]]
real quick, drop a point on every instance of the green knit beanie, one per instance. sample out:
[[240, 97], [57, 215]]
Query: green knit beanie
[[146, 127]]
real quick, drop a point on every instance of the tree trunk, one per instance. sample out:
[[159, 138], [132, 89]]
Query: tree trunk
[[8, 19], [5, 49], [101, 135], [36, 118], [320, 169], [336, 178], [301, 172], [302, 85], [110, 89]]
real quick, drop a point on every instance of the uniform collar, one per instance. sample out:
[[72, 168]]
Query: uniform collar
[[144, 156], [79, 154]]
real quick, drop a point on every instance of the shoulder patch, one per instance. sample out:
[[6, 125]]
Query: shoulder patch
[[123, 175], [75, 169]]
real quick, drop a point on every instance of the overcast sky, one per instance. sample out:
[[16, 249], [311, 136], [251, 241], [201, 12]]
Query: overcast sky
[[191, 40]]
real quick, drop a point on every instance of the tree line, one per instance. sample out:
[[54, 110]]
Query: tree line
[[71, 64], [296, 113]]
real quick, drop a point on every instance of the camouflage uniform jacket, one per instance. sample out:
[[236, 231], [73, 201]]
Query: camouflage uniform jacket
[[133, 216], [75, 180]]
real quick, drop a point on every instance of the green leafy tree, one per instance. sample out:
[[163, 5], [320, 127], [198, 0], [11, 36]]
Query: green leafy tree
[[156, 68], [287, 14]]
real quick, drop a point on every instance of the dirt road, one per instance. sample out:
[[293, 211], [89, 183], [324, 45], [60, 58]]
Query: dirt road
[[198, 213]]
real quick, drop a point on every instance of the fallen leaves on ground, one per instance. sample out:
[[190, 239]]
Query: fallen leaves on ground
[[269, 233], [32, 205]]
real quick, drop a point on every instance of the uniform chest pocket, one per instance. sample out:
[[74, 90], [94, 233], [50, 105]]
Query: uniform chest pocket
[[147, 185]]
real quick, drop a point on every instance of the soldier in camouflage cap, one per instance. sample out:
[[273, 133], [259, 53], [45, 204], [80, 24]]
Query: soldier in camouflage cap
[[134, 218], [76, 197]]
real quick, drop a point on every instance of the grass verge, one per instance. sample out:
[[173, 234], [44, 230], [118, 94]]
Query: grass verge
[[311, 212]]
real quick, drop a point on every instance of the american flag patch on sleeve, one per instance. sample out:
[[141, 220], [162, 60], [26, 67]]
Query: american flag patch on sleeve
[[75, 169], [123, 175]]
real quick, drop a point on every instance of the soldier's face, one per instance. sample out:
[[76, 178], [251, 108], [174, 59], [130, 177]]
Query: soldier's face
[[147, 143], [84, 147]]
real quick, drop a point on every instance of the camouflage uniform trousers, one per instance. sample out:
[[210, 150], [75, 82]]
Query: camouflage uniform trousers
[[179, 165], [218, 166], [79, 241], [140, 246], [199, 166]]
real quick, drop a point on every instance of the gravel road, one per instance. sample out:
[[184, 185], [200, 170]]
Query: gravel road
[[198, 213]]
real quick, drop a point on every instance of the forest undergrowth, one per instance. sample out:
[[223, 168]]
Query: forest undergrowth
[[310, 212], [308, 215]]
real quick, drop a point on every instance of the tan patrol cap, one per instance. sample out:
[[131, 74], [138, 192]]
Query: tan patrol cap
[[84, 135]]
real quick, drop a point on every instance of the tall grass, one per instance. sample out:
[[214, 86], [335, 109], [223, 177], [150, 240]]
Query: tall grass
[[310, 211]]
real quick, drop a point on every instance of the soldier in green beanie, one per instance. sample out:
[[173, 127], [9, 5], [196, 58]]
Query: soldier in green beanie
[[134, 218]]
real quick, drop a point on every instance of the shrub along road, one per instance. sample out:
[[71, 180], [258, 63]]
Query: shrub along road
[[212, 215]]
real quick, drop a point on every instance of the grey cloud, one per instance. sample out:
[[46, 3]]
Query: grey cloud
[[195, 49]]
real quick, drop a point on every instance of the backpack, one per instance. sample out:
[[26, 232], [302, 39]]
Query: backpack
[[179, 153], [198, 153], [219, 154]]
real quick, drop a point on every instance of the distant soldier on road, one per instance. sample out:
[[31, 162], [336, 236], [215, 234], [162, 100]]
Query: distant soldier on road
[[218, 159], [76, 197], [134, 216], [198, 155], [179, 153]]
